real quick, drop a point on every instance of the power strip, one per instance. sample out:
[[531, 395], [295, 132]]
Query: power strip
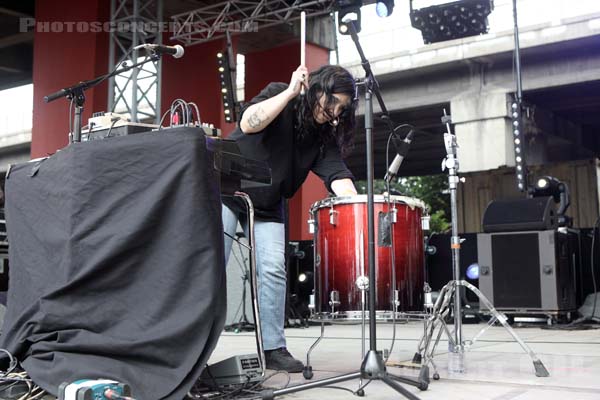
[[91, 389]]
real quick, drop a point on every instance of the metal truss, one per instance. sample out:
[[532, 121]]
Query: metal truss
[[239, 16], [136, 92]]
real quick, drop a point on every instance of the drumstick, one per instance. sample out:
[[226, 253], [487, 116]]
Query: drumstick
[[302, 42]]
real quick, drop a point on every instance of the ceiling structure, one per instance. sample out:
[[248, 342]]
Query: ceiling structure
[[576, 103], [16, 48]]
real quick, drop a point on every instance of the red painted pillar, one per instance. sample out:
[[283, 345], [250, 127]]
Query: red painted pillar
[[277, 65], [64, 54], [195, 78]]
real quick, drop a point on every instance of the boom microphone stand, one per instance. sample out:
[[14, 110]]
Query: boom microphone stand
[[76, 94], [372, 366]]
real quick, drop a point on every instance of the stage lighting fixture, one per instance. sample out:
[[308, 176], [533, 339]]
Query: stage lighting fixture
[[548, 186], [518, 142], [384, 8], [473, 271], [348, 13], [305, 284], [227, 88], [455, 20], [559, 191]]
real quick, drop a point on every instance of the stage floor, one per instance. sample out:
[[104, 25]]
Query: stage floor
[[497, 368]]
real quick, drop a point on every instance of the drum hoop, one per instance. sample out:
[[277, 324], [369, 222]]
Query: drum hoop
[[412, 202]]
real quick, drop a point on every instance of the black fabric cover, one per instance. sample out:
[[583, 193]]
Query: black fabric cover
[[117, 264]]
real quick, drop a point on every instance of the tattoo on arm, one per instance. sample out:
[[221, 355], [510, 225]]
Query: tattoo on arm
[[257, 118]]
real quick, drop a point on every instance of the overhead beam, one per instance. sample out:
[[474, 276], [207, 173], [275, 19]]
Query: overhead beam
[[239, 16], [13, 13], [8, 41], [11, 70]]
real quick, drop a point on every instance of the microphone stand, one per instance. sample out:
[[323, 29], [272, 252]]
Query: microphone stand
[[76, 94], [372, 366]]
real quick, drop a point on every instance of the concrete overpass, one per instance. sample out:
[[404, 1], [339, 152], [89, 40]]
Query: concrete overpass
[[473, 79]]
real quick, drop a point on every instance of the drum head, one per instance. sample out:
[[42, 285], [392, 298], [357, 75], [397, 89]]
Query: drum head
[[412, 202]]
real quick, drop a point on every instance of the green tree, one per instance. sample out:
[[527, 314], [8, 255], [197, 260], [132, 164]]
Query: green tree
[[431, 189]]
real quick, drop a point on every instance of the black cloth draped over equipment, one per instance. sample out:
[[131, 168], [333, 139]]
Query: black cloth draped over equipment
[[117, 265]]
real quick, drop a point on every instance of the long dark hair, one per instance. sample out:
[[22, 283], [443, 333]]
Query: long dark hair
[[327, 80]]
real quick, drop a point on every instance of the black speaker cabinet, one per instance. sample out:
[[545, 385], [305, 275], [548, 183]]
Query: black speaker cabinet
[[510, 215], [528, 271], [439, 261], [300, 269]]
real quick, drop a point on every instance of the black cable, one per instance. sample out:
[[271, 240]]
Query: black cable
[[162, 119], [393, 266], [5, 386], [363, 386], [111, 394], [111, 127], [245, 389], [338, 388], [596, 228], [583, 318], [71, 117], [12, 364], [354, 392]]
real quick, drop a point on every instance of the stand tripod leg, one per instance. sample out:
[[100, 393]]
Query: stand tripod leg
[[439, 312], [372, 368], [307, 371], [391, 383], [270, 394], [540, 369], [422, 382]]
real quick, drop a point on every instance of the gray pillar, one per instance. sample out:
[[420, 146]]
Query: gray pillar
[[483, 130]]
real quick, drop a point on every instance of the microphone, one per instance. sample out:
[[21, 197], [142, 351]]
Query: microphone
[[401, 150], [176, 51]]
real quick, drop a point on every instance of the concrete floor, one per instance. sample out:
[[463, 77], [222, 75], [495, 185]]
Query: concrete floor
[[497, 367]]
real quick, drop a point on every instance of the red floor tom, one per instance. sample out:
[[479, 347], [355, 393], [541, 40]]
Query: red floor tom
[[342, 262]]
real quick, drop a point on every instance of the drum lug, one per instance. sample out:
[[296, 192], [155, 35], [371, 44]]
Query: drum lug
[[362, 282], [425, 222], [334, 300], [396, 298], [311, 226], [428, 300], [311, 304], [333, 217], [394, 215]]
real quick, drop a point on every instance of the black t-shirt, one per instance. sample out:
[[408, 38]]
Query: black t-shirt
[[290, 159]]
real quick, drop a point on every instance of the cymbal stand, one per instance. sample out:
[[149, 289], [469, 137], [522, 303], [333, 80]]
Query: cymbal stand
[[451, 292]]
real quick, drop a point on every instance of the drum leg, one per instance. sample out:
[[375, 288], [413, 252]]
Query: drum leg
[[428, 345], [362, 337], [307, 371]]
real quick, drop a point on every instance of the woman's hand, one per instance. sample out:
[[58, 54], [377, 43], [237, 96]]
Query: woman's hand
[[298, 80], [343, 187]]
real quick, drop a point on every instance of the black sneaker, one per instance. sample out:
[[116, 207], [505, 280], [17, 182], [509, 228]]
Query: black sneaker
[[281, 360]]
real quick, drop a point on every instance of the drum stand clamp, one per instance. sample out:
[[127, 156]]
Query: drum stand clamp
[[451, 292]]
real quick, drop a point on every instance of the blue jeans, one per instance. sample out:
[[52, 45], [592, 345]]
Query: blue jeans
[[269, 239]]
